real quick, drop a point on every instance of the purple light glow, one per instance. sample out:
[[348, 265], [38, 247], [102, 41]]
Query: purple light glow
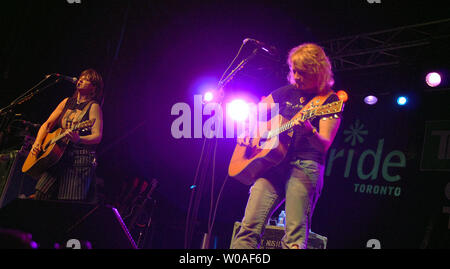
[[433, 79], [208, 97], [370, 100], [34, 245], [238, 110]]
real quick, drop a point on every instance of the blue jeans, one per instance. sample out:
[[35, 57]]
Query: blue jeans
[[299, 184]]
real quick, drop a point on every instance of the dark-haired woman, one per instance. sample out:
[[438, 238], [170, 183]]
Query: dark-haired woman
[[71, 177]]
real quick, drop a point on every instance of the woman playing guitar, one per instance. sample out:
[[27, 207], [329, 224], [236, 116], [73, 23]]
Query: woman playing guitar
[[298, 179], [71, 177]]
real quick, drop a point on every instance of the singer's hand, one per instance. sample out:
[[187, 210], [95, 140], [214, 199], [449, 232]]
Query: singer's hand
[[73, 136], [36, 149], [305, 127], [245, 141], [249, 142]]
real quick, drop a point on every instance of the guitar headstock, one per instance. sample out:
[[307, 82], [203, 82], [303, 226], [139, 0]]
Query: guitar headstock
[[330, 108]]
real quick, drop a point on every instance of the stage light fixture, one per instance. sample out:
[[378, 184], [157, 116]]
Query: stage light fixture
[[208, 96], [402, 100], [342, 95], [433, 79], [370, 100], [238, 110]]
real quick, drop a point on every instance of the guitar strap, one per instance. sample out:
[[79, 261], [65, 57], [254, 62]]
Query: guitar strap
[[85, 109]]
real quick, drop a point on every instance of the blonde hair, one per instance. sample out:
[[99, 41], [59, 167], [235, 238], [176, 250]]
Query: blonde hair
[[312, 59]]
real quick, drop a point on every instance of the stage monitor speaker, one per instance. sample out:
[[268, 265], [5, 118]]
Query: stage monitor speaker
[[13, 183], [273, 235], [51, 222]]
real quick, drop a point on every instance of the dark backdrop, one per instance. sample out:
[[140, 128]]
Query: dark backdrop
[[154, 54]]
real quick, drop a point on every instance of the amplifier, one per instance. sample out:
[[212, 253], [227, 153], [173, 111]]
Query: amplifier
[[13, 183], [51, 222], [273, 235]]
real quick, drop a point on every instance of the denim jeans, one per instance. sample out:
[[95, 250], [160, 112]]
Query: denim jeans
[[299, 184]]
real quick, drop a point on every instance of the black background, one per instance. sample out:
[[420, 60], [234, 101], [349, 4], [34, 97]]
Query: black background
[[153, 54]]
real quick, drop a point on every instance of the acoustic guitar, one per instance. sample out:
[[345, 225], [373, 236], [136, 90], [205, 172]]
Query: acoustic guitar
[[249, 162], [53, 148]]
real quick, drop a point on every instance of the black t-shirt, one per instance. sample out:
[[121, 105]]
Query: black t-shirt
[[291, 101], [72, 106]]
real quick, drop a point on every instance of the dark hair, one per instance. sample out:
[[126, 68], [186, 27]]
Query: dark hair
[[96, 79]]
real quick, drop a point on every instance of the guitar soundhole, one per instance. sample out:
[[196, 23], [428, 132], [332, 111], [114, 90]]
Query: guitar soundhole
[[250, 152]]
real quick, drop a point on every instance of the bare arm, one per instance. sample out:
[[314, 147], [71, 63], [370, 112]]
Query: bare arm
[[48, 125], [268, 99], [323, 139], [96, 131]]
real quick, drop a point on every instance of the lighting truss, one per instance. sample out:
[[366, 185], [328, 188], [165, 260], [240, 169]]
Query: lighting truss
[[383, 48]]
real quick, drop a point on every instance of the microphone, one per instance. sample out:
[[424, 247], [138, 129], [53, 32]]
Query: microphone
[[70, 79], [269, 49]]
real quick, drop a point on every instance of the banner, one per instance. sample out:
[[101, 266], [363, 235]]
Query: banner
[[375, 193]]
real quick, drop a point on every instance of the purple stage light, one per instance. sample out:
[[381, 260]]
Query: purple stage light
[[238, 110], [34, 245], [433, 79], [370, 100], [208, 96]]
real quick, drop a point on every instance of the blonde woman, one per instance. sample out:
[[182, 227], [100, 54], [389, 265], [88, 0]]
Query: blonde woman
[[298, 180]]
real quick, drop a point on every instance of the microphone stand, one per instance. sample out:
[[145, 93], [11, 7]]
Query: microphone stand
[[28, 95], [6, 112], [207, 236], [239, 67]]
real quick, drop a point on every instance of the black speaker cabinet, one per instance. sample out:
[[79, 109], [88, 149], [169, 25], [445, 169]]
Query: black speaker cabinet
[[52, 222], [273, 234], [13, 183]]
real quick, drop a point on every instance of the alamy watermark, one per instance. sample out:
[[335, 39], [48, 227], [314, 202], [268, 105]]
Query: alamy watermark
[[260, 123]]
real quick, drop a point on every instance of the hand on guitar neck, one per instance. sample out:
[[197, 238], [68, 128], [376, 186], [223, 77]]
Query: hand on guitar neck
[[72, 135], [306, 127]]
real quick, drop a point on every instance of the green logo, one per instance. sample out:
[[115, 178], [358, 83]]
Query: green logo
[[369, 164], [355, 133], [436, 146]]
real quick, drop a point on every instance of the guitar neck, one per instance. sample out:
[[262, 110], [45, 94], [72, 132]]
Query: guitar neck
[[283, 128], [59, 137], [308, 114], [85, 124]]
